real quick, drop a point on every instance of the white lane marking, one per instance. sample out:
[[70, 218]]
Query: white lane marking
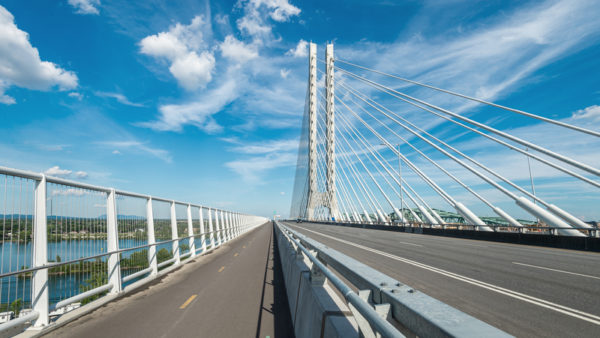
[[588, 317], [410, 243], [563, 271]]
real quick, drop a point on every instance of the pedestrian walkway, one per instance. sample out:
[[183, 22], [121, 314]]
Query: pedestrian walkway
[[235, 291]]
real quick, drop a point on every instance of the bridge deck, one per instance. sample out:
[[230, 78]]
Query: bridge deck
[[416, 260], [237, 291]]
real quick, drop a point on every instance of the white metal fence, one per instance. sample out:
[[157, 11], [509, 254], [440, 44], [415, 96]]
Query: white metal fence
[[65, 244]]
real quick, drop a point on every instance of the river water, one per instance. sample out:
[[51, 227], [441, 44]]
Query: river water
[[15, 256]]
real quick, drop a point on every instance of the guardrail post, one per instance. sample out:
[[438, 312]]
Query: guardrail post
[[39, 282], [152, 261], [174, 234], [202, 230], [112, 239], [192, 240], [211, 229]]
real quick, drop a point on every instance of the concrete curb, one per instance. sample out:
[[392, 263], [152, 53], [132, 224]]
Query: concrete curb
[[316, 310]]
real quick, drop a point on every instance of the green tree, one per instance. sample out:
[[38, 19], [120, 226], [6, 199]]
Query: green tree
[[16, 306], [97, 279], [164, 255]]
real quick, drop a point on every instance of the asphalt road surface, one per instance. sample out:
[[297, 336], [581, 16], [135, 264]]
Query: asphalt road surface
[[236, 291], [526, 291]]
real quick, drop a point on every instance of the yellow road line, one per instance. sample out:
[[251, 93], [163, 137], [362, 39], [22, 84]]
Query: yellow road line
[[187, 302], [221, 269], [236, 254]]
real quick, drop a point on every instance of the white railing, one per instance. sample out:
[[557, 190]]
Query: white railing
[[65, 244]]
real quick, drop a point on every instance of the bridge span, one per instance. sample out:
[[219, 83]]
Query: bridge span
[[527, 291]]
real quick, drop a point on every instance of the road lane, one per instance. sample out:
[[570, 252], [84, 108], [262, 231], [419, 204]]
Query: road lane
[[481, 279]]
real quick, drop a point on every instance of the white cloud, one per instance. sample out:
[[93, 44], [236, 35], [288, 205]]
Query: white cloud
[[254, 22], [81, 174], [280, 10], [119, 97], [70, 192], [76, 95], [252, 169], [265, 147], [284, 73], [237, 50], [491, 59], [57, 171], [268, 155], [85, 6], [20, 63], [137, 146], [197, 112], [590, 113], [301, 50], [183, 46]]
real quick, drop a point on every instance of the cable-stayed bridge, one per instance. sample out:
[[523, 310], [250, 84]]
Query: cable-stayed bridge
[[364, 158], [403, 196]]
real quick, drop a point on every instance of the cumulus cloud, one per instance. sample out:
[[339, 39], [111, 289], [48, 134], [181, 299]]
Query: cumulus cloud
[[300, 51], [191, 63], [590, 113], [237, 50], [253, 22], [238, 60], [85, 6], [284, 73], [119, 97], [280, 10], [21, 65], [57, 171], [64, 173]]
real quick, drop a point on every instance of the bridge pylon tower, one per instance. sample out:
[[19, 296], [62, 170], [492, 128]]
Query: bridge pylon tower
[[316, 198]]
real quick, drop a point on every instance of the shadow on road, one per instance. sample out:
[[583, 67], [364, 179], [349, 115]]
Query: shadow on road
[[274, 297]]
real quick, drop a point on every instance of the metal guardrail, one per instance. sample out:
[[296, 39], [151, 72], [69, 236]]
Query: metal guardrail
[[420, 314], [42, 215], [592, 231]]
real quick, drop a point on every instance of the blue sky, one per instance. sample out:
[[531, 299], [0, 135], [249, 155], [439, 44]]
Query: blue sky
[[202, 101]]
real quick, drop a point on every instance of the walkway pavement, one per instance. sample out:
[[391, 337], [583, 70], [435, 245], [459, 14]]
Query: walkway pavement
[[236, 291]]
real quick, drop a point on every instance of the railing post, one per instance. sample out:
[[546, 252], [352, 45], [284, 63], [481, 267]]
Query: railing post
[[237, 224], [152, 261], [112, 238], [202, 230], [223, 225], [174, 234], [39, 282], [211, 229], [217, 230], [192, 240], [229, 226]]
